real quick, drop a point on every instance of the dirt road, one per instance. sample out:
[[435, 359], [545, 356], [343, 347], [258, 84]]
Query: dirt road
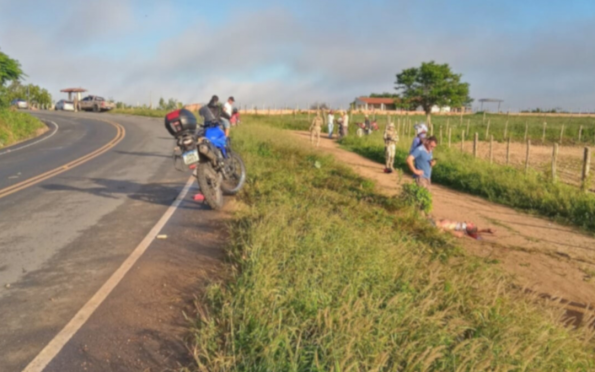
[[543, 257]]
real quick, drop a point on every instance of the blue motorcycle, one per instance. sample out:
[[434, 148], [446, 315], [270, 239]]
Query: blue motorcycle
[[218, 169]]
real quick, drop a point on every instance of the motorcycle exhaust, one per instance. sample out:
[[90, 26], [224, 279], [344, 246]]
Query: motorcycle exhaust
[[206, 150]]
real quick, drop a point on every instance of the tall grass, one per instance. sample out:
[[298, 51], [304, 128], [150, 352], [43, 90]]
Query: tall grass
[[329, 276], [17, 126]]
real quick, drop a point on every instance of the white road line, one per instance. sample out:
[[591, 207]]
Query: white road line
[[32, 143], [57, 343]]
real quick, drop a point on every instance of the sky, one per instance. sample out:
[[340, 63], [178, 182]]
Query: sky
[[293, 53]]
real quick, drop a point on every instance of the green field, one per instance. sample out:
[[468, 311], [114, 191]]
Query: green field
[[17, 126], [326, 275]]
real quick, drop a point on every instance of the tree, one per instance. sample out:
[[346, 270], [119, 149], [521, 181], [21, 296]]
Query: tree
[[431, 85], [10, 69], [36, 95]]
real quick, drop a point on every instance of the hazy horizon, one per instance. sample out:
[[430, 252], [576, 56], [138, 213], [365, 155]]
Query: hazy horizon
[[282, 53]]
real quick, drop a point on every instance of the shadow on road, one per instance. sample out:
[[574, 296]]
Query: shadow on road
[[155, 193]]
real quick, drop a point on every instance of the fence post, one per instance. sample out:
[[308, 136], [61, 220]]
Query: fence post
[[508, 151], [505, 129], [554, 160], [491, 148], [449, 135], [561, 133], [580, 133], [475, 145], [526, 130], [586, 168], [543, 135], [527, 157], [463, 141], [488, 129], [441, 133], [484, 118], [468, 121]]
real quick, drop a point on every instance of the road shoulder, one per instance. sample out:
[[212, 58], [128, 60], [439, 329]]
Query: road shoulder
[[142, 325]]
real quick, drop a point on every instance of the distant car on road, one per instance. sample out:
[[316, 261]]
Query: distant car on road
[[95, 103], [64, 105], [19, 103]]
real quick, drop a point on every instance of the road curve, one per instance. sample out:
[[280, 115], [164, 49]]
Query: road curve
[[63, 236]]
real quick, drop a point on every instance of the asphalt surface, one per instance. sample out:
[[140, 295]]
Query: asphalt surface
[[60, 239]]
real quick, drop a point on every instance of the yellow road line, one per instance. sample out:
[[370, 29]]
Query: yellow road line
[[121, 133]]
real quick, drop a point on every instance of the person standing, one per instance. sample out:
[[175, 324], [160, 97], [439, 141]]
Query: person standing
[[228, 112], [420, 130], [421, 162], [367, 126], [345, 124], [316, 128], [331, 124], [390, 146]]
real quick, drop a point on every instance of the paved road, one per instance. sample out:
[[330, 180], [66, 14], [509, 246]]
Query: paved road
[[61, 238]]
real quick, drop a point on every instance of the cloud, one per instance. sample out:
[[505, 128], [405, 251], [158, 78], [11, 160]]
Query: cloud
[[279, 53]]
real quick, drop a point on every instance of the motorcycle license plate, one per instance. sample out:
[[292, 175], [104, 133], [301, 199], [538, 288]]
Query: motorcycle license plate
[[190, 157]]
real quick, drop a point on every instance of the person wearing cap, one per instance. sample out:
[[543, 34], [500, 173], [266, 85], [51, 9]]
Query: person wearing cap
[[461, 229], [228, 110], [420, 131], [390, 145]]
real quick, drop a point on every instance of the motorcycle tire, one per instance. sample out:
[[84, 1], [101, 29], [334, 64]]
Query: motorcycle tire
[[209, 182], [237, 171]]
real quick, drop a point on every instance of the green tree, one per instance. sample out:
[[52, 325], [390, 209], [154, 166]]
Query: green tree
[[36, 95], [10, 70], [429, 85]]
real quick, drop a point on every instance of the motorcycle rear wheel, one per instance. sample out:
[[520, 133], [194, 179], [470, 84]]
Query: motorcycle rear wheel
[[209, 182]]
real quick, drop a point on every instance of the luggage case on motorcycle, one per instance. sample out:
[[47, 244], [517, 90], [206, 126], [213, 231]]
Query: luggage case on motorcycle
[[180, 122]]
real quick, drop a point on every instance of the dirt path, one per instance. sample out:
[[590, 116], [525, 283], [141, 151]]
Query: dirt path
[[544, 257]]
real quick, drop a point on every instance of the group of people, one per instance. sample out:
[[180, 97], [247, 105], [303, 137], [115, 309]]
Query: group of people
[[224, 113], [420, 159], [342, 120]]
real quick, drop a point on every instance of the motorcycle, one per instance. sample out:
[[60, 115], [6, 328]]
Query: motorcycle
[[217, 168]]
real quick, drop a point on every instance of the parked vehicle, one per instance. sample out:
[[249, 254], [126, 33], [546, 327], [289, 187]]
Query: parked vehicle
[[64, 105], [217, 168], [19, 103], [95, 103]]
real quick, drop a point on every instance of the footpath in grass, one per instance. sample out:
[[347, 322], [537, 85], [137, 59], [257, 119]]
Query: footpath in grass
[[532, 192], [326, 275], [17, 126]]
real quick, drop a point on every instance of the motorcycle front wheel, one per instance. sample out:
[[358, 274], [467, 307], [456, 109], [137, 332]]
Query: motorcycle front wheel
[[234, 174], [209, 182]]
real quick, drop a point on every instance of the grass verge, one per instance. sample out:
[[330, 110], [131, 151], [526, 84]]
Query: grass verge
[[17, 126], [326, 275]]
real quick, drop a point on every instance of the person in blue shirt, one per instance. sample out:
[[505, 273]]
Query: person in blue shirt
[[420, 130], [421, 161]]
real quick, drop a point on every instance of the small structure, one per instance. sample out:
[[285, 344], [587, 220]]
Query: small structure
[[78, 92], [374, 103], [490, 100], [440, 109]]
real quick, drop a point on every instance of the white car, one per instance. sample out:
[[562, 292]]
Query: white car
[[64, 105], [20, 103]]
